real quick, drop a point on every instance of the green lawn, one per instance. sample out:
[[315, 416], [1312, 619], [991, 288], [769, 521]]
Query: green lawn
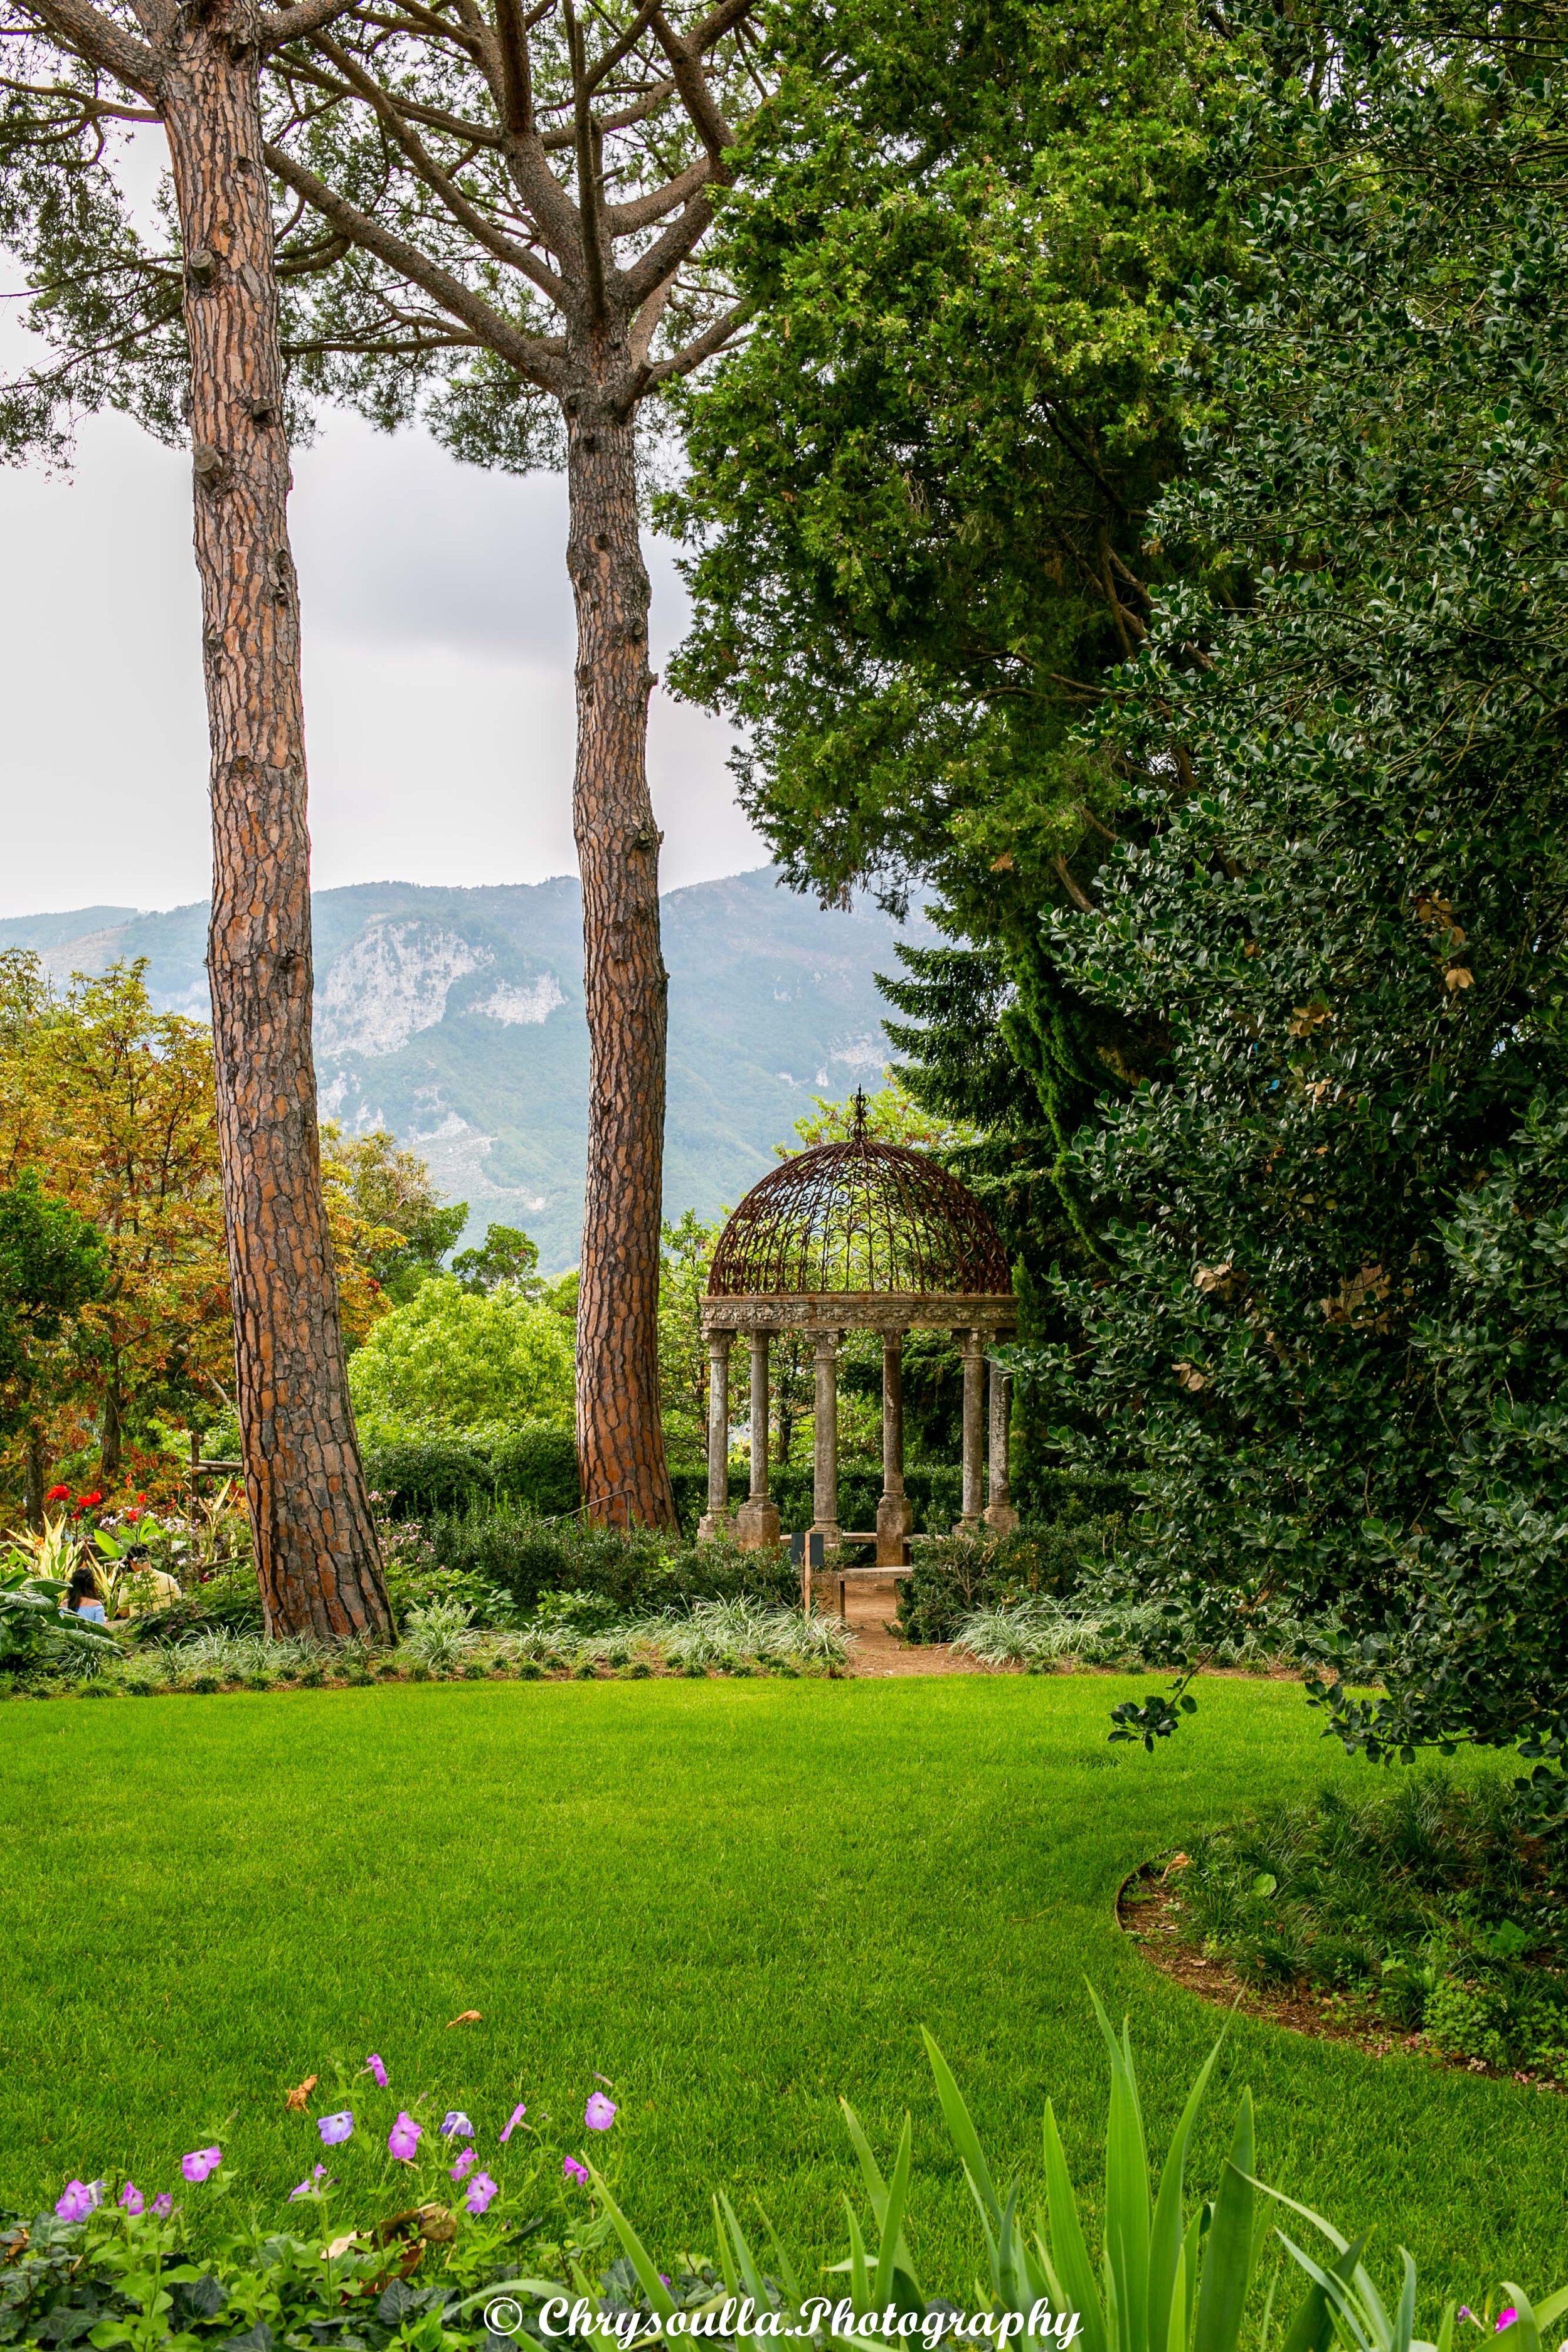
[[737, 1900]]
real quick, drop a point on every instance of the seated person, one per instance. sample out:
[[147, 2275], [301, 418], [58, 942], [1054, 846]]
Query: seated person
[[83, 1598]]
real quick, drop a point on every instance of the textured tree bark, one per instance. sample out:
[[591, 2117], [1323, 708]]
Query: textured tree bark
[[33, 1500], [316, 1553], [109, 1435], [620, 1436]]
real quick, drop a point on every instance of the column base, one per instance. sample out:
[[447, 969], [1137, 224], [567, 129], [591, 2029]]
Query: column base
[[757, 1526], [895, 1525], [715, 1527], [968, 1527], [832, 1536], [1001, 1518]]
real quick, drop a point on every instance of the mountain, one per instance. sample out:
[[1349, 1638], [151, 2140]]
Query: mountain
[[455, 1018]]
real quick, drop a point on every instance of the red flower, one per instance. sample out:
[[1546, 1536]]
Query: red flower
[[131, 1517], [58, 1495], [141, 1498], [87, 1501]]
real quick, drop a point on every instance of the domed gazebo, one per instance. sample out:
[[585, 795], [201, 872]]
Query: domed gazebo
[[857, 1236]]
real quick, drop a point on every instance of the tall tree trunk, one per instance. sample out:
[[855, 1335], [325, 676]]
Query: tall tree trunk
[[620, 1436], [109, 1436], [316, 1552], [33, 1502]]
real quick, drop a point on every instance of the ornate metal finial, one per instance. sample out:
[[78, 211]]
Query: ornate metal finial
[[859, 1115]]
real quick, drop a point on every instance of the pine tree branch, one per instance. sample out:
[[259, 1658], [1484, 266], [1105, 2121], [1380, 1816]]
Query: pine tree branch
[[588, 197], [702, 347], [87, 34], [300, 21], [389, 114], [641, 212], [530, 356], [678, 242], [696, 96], [517, 79], [433, 118]]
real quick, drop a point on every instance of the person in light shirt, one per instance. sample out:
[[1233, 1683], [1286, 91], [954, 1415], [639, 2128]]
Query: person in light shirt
[[83, 1598]]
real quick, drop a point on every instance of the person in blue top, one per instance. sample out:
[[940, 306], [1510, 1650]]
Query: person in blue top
[[83, 1598]]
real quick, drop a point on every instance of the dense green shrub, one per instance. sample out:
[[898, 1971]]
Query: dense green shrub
[[1048, 1558], [1422, 1898], [535, 1464], [512, 1551]]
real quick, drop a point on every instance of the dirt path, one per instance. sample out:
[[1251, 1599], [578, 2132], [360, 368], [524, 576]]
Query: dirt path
[[870, 1605]]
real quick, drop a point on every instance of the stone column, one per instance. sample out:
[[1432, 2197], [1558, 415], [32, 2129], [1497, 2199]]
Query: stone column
[[999, 1512], [973, 1346], [894, 1517], [715, 1519], [757, 1520], [825, 1491]]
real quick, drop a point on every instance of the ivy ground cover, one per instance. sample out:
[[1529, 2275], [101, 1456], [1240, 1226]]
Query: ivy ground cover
[[735, 1901]]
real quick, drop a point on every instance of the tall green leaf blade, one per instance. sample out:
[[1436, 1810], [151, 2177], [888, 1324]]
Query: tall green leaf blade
[[891, 2220], [653, 2286], [1069, 2254], [1228, 2256], [963, 2133], [1165, 2233], [1127, 2215]]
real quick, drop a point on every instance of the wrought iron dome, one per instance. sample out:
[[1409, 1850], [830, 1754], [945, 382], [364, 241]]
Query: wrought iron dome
[[859, 1217]]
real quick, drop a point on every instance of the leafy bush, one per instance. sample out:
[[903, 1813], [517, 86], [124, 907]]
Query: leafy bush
[[452, 1360], [953, 1576], [535, 1464], [515, 1552], [1421, 1897], [116, 2264]]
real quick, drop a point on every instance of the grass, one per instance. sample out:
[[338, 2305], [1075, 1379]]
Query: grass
[[737, 1900]]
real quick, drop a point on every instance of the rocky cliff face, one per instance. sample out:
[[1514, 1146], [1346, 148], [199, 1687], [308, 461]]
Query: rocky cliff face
[[455, 1018]]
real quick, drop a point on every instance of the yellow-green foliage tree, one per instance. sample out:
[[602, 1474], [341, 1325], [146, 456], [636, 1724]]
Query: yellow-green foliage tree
[[385, 1198], [455, 1363], [111, 1106]]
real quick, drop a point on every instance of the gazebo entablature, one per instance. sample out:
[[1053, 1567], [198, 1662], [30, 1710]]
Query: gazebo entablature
[[863, 1310]]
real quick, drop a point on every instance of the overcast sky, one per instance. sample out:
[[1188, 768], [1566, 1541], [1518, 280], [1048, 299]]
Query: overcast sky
[[437, 625]]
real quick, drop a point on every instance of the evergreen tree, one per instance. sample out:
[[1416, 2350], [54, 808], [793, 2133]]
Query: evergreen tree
[[916, 503], [1332, 1344]]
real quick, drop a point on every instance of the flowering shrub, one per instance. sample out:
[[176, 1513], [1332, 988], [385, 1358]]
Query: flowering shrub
[[547, 2251]]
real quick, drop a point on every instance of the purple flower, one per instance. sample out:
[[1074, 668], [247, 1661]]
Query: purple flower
[[572, 2170], [600, 2113], [664, 2280], [454, 2124], [162, 2204], [402, 2139], [201, 2163], [513, 2122], [335, 2129], [465, 2163], [1506, 2318], [374, 2067], [81, 2198], [130, 2197], [481, 2189], [308, 2183]]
